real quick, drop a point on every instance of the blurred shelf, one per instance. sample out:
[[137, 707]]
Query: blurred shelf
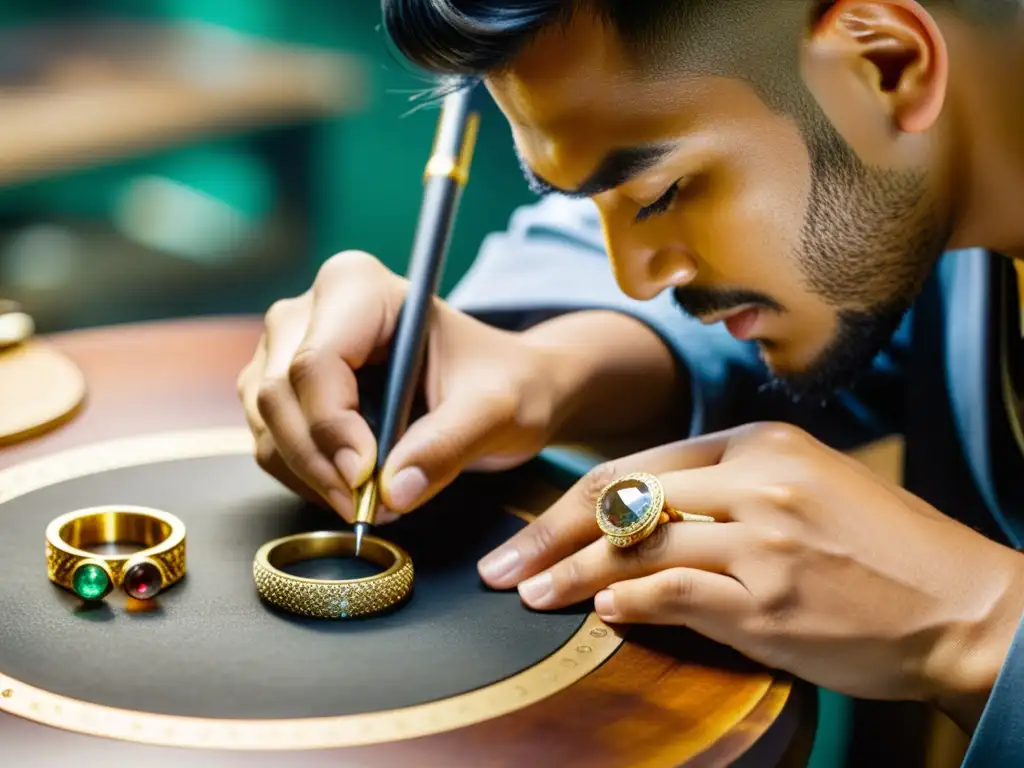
[[80, 94], [89, 274]]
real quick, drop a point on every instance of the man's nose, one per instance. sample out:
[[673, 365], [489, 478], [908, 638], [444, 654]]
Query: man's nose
[[645, 269]]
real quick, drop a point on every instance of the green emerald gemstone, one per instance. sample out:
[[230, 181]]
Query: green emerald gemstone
[[90, 582]]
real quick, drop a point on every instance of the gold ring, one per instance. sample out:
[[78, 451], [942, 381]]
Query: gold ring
[[630, 508], [92, 576], [327, 599]]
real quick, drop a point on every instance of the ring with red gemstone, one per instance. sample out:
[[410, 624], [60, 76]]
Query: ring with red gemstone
[[74, 562], [629, 509]]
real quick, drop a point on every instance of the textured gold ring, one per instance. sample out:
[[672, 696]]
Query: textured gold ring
[[92, 576], [630, 508], [332, 599]]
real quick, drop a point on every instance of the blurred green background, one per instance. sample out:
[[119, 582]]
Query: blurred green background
[[340, 181], [227, 223]]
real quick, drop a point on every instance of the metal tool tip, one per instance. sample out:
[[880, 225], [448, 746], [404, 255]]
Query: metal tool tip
[[360, 529]]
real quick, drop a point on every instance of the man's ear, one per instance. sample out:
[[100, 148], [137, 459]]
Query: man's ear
[[893, 49]]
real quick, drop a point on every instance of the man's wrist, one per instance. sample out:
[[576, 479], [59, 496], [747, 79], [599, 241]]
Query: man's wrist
[[607, 373], [976, 656]]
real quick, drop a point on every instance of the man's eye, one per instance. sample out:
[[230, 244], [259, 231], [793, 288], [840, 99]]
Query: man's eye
[[660, 205]]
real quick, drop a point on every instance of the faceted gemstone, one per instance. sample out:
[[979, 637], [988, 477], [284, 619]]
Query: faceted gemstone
[[90, 582], [143, 581], [626, 503]]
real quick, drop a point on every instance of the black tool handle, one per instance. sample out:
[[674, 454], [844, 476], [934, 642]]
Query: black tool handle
[[445, 178]]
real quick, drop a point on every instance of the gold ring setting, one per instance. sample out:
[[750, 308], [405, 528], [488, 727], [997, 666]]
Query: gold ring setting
[[91, 576], [629, 509], [332, 599]]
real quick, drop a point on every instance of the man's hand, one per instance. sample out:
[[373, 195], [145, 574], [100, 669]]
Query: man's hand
[[490, 395], [816, 566]]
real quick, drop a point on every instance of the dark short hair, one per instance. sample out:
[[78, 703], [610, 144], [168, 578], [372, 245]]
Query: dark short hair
[[471, 38], [753, 39], [466, 40]]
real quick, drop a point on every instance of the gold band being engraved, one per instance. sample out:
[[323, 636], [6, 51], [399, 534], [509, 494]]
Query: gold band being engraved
[[92, 576], [629, 509], [323, 599]]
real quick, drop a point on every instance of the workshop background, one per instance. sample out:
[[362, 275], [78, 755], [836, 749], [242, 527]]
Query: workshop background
[[165, 158]]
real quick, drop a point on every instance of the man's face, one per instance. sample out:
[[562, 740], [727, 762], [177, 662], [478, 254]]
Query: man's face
[[750, 217]]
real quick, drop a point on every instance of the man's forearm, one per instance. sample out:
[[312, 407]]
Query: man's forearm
[[613, 377]]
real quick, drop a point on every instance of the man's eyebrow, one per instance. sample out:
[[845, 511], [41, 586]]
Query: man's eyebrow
[[617, 167]]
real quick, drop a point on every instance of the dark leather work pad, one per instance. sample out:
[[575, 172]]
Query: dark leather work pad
[[209, 647]]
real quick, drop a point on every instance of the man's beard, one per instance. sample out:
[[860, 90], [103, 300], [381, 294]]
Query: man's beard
[[858, 340], [868, 243], [859, 337]]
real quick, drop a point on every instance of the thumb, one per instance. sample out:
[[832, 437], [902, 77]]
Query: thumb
[[437, 448]]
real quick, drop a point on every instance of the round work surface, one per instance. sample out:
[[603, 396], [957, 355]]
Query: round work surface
[[210, 650], [457, 675]]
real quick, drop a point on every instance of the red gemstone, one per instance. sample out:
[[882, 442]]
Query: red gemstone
[[143, 581]]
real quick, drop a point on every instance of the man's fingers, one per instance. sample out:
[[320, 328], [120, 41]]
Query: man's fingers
[[570, 522], [715, 491], [279, 409], [267, 455], [438, 446], [270, 461], [708, 603], [351, 317], [564, 528], [711, 547], [290, 439]]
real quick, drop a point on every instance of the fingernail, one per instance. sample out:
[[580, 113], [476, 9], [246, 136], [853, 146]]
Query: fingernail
[[385, 515], [348, 463], [535, 591], [500, 564], [407, 486], [604, 604]]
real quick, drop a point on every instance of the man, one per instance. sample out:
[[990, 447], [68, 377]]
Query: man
[[793, 171]]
